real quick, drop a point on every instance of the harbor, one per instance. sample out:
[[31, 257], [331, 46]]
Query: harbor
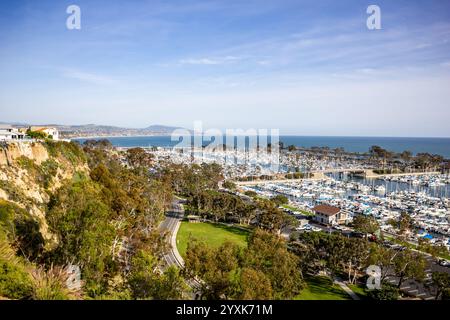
[[423, 197]]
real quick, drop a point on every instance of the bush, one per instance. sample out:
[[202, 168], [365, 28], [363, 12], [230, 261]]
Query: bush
[[22, 229], [387, 292], [70, 150], [15, 281], [229, 185], [250, 193], [37, 135]]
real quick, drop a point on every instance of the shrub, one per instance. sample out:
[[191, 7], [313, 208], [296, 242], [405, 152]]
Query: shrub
[[15, 282], [70, 150]]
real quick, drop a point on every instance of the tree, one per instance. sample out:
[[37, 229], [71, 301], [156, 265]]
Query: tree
[[441, 281], [146, 283], [270, 218], [355, 257], [435, 250], [403, 224], [366, 225], [215, 268], [138, 157], [268, 253], [280, 200], [292, 148], [406, 156], [382, 257], [229, 185], [409, 264], [254, 285]]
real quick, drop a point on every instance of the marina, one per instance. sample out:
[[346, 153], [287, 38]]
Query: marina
[[424, 198]]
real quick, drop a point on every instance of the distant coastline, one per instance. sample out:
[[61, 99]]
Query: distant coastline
[[91, 137], [440, 146]]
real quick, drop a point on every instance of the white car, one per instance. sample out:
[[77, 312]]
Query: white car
[[444, 263], [315, 229]]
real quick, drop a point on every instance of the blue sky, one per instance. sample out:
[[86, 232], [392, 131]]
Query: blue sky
[[304, 67]]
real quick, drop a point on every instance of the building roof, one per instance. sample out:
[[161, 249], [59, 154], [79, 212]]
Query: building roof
[[37, 128], [326, 209]]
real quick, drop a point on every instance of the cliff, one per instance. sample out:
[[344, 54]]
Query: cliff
[[31, 171]]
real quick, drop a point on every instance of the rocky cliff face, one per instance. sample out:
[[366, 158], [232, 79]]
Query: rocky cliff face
[[10, 151], [29, 173]]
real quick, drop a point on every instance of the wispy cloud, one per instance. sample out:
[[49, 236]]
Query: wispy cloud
[[89, 77], [210, 61]]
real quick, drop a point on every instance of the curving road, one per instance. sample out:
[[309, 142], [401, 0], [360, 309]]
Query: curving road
[[171, 225]]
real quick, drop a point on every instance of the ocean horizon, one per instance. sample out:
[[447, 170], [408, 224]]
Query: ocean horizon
[[440, 146]]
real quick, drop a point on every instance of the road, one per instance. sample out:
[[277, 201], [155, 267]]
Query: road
[[173, 258], [171, 225]]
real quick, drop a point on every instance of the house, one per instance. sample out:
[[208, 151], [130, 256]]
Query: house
[[8, 132], [49, 131], [329, 215]]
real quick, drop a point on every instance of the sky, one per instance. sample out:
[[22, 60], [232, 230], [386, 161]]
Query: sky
[[306, 67]]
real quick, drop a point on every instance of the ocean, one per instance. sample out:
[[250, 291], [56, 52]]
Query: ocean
[[439, 146]]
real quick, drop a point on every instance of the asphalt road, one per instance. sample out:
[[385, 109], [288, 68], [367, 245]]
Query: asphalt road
[[170, 225]]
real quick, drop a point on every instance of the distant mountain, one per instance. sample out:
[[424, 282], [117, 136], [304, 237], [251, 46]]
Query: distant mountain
[[157, 127], [94, 130]]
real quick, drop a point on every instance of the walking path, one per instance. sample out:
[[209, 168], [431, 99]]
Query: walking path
[[347, 289]]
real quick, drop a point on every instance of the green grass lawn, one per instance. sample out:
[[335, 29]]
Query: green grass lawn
[[322, 288], [213, 234], [359, 290]]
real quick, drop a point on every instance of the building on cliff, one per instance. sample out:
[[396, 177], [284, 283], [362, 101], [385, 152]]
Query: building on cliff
[[49, 131], [8, 132]]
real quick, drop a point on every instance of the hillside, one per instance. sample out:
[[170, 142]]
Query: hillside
[[92, 130], [64, 205], [30, 172]]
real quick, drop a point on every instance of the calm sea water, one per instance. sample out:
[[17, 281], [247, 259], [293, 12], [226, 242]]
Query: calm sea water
[[353, 144]]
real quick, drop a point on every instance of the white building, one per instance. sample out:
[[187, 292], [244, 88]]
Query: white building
[[49, 131], [8, 132], [329, 215]]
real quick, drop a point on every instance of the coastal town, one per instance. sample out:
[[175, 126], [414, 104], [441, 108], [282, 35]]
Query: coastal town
[[349, 183], [398, 201], [225, 159]]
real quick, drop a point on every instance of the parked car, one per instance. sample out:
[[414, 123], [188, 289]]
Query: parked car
[[398, 247], [444, 263], [356, 234]]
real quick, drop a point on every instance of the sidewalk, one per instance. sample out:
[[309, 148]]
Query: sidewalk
[[347, 289]]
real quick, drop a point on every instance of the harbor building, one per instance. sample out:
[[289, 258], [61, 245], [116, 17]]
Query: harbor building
[[329, 215]]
